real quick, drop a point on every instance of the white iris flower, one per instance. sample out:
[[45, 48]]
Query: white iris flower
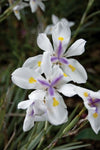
[[34, 4], [61, 37], [48, 86], [55, 20], [92, 103]]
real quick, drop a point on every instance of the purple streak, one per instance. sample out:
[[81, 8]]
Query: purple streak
[[54, 58], [32, 113], [51, 91], [95, 101], [56, 80], [44, 83], [63, 60], [59, 49]]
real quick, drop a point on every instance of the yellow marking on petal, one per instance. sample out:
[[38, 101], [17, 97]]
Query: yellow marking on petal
[[61, 39], [39, 63], [16, 11], [55, 102], [85, 94], [72, 68], [95, 115], [65, 75], [32, 80]]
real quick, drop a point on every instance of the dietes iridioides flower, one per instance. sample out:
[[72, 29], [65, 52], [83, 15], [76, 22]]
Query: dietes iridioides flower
[[92, 103], [55, 20], [50, 86], [61, 37]]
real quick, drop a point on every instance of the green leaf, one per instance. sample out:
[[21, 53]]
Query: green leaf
[[88, 133]]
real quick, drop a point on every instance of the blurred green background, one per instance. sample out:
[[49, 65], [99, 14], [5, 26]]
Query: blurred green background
[[17, 43]]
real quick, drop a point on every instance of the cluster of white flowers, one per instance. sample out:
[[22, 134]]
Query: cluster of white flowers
[[34, 4], [49, 74]]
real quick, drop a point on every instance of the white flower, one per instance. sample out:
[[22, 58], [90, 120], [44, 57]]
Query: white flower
[[48, 87], [61, 36], [34, 4], [36, 111], [18, 7], [55, 20], [92, 103]]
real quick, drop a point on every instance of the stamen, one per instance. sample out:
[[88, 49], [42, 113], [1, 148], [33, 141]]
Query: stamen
[[85, 94], [65, 75], [95, 115], [61, 39], [32, 80], [55, 102], [72, 68], [39, 63], [51, 91]]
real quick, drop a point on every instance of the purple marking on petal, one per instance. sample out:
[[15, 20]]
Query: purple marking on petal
[[59, 50], [63, 60], [51, 91], [54, 58], [44, 83], [56, 80], [32, 113], [96, 101]]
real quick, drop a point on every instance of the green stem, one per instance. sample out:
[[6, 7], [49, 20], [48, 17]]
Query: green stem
[[8, 11], [82, 20], [43, 137], [65, 131]]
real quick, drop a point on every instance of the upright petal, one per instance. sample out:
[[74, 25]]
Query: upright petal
[[61, 33], [37, 94], [77, 48], [17, 14], [75, 70], [44, 43], [46, 65], [24, 104], [33, 6], [48, 29], [34, 63], [55, 19], [41, 5]]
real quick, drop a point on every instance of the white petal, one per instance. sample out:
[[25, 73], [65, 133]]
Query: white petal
[[24, 104], [67, 90], [44, 43], [17, 14], [95, 122], [63, 31], [55, 19], [42, 6], [37, 94], [28, 122], [21, 77], [77, 48], [34, 63], [71, 23], [46, 64], [49, 29], [78, 75], [33, 6], [56, 114]]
